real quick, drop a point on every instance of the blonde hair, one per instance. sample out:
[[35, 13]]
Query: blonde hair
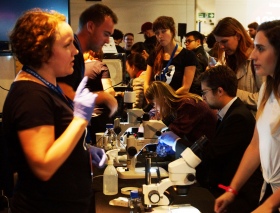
[[167, 99]]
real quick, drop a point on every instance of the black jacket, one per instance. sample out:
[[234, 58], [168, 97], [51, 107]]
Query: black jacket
[[221, 157], [202, 59], [202, 63]]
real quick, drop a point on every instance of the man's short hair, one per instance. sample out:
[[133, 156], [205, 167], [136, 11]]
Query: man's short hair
[[220, 76], [253, 25], [197, 36], [131, 34], [117, 34], [96, 13], [210, 40]]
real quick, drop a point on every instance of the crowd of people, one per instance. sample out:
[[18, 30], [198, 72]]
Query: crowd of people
[[64, 92]]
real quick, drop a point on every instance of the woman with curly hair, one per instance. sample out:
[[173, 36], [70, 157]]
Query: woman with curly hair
[[45, 130]]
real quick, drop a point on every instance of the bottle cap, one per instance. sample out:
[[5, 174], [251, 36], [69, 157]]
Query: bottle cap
[[109, 126], [133, 194]]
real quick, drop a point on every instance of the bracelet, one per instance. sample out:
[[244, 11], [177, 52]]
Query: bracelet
[[228, 189]]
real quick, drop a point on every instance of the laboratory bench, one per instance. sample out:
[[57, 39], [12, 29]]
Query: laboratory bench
[[198, 197]]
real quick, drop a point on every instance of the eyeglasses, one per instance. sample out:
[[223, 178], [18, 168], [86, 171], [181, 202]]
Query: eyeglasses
[[203, 92], [188, 41]]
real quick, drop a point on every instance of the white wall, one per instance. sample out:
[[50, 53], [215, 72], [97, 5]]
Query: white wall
[[247, 11], [133, 13], [206, 24]]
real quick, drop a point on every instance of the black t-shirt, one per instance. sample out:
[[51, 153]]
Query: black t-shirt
[[76, 77], [202, 60], [151, 43], [184, 59], [96, 70], [28, 105], [120, 49]]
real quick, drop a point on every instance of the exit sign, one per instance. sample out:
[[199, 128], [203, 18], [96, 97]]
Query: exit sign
[[206, 15], [201, 15], [210, 15]]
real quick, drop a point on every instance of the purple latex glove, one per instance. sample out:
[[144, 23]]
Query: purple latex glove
[[84, 101], [98, 156], [168, 138]]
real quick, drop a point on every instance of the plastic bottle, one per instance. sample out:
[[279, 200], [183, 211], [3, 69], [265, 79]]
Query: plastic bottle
[[113, 154], [110, 179], [135, 202], [110, 138]]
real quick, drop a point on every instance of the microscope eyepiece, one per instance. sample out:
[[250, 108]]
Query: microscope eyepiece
[[199, 144]]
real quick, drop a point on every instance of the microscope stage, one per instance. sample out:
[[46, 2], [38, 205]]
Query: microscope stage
[[139, 173]]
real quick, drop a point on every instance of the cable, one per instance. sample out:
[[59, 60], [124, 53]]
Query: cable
[[97, 176], [113, 85], [4, 89]]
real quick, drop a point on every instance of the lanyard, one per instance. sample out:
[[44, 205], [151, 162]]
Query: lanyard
[[54, 88], [162, 75]]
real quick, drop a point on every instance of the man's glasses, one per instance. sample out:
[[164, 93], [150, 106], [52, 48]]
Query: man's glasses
[[188, 41]]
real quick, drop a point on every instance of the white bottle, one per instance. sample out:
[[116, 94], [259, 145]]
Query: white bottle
[[110, 179]]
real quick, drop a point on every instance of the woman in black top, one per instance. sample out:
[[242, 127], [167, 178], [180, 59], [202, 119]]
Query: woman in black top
[[44, 130], [179, 73]]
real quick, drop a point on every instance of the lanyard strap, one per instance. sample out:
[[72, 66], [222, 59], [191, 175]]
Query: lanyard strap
[[54, 88], [170, 60]]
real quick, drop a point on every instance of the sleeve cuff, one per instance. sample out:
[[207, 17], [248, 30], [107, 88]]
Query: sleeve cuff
[[174, 144]]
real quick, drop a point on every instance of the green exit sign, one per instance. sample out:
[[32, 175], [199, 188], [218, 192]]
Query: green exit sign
[[206, 15], [210, 15], [201, 15]]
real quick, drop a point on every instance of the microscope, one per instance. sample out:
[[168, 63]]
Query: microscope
[[134, 116], [135, 140], [136, 144], [181, 173]]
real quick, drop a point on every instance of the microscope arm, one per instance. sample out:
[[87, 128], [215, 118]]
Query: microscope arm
[[154, 193], [133, 115], [181, 172]]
